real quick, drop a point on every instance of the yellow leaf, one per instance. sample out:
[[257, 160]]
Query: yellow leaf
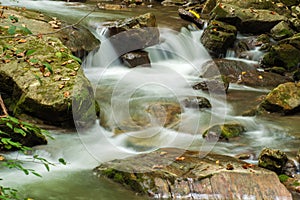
[[195, 14], [243, 73], [260, 77]]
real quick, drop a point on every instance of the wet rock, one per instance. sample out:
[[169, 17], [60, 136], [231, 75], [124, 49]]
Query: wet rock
[[281, 31], [282, 55], [243, 73], [217, 84], [272, 159], [170, 173], [295, 23], [192, 16], [293, 185], [136, 58], [133, 33], [295, 11], [196, 102], [247, 20], [78, 39], [142, 116], [290, 168], [218, 37], [283, 99], [224, 131], [109, 6]]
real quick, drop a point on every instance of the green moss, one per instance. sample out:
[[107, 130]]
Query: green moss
[[283, 178]]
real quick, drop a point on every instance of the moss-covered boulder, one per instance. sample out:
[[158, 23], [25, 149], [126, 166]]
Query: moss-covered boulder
[[180, 174], [247, 20], [272, 159], [39, 76], [224, 131], [283, 99], [218, 37], [281, 31], [282, 55]]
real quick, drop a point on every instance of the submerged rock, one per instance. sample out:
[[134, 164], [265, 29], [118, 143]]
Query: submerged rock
[[218, 37], [196, 102], [136, 58], [283, 99], [272, 159], [242, 73], [176, 173], [224, 131]]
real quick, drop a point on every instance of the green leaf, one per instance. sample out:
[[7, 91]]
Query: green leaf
[[32, 60], [47, 167], [12, 30], [58, 54], [13, 119], [62, 161], [75, 58], [13, 18], [30, 51], [9, 125], [38, 78], [20, 131], [48, 66], [36, 174], [25, 30]]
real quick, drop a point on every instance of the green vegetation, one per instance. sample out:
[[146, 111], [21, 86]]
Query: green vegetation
[[283, 178]]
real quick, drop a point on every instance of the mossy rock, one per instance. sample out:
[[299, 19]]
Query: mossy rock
[[218, 37], [224, 131], [283, 99], [281, 31], [272, 159], [39, 75]]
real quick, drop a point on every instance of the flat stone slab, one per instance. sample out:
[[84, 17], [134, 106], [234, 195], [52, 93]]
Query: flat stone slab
[[179, 174]]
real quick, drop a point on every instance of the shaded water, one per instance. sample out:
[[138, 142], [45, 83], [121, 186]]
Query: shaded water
[[176, 64]]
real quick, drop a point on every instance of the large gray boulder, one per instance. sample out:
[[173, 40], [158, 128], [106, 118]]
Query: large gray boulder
[[133, 33], [174, 173]]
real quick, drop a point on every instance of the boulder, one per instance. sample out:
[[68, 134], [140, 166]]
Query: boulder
[[191, 15], [292, 184], [133, 33], [243, 73], [283, 99], [290, 2], [136, 58], [175, 173], [247, 20], [216, 84], [272, 159], [196, 102], [281, 31], [39, 76], [282, 55], [78, 39], [224, 131], [218, 37]]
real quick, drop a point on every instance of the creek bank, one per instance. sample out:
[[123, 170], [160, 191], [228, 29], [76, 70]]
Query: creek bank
[[176, 173], [39, 75]]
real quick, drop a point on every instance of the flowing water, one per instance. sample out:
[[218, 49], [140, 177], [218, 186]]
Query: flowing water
[[123, 93]]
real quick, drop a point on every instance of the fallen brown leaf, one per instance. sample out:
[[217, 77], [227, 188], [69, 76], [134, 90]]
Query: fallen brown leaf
[[66, 94]]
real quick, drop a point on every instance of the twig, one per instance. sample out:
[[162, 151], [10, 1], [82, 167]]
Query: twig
[[3, 108], [49, 33]]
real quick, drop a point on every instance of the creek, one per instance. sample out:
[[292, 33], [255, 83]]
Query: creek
[[175, 65]]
